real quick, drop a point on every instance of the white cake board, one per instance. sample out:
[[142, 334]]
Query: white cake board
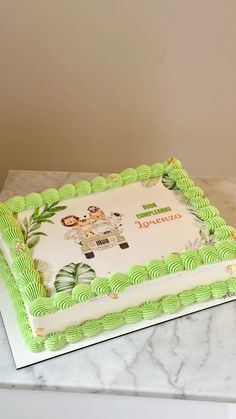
[[22, 357]]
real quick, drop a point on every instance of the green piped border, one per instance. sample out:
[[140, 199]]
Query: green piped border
[[146, 311], [28, 280]]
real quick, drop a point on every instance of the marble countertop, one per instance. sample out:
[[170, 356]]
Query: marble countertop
[[193, 357]]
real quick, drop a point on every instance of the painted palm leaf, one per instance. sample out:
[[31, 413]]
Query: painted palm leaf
[[73, 274]]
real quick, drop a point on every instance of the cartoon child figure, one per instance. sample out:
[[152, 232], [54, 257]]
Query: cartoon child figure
[[96, 213]]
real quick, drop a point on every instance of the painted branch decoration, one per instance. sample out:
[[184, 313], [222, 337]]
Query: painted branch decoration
[[30, 226]]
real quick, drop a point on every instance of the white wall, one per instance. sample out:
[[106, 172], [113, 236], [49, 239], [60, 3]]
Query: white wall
[[101, 85]]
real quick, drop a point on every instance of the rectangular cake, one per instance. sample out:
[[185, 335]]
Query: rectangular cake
[[96, 255]]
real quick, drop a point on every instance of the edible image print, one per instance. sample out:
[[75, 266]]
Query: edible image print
[[95, 230]]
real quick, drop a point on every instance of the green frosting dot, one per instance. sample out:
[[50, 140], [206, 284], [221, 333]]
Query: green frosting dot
[[170, 303], [226, 249], [202, 293], [208, 212], [16, 204], [62, 300], [12, 235], [98, 184], [137, 274], [114, 181], [219, 289], [151, 309], [55, 341], [34, 343], [67, 191], [199, 202], [129, 176], [208, 254], [50, 195], [91, 328], [156, 268], [187, 297], [73, 334], [24, 261], [33, 200], [214, 222], [173, 263], [26, 277], [177, 174], [82, 292], [132, 314], [83, 188], [193, 192], [33, 291], [41, 307], [157, 169], [223, 232], [184, 184], [190, 259], [100, 286], [112, 321], [143, 172], [231, 285], [118, 282]]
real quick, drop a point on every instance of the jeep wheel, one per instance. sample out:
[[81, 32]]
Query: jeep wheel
[[124, 245], [89, 255]]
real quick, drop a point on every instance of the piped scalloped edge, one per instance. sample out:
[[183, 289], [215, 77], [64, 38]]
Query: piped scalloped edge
[[168, 304]]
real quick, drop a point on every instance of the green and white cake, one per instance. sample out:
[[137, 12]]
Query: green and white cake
[[94, 256]]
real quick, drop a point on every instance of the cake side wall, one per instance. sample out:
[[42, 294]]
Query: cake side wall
[[150, 290]]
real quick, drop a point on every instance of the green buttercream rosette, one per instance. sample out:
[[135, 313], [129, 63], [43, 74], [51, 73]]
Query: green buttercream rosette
[[112, 320], [184, 184], [132, 314], [82, 292], [62, 300], [67, 191], [114, 181], [226, 249], [219, 289], [50, 195], [100, 286], [231, 285], [129, 176], [33, 200], [118, 282], [144, 172], [202, 293], [83, 188], [73, 334], [173, 263], [98, 184], [157, 169], [187, 297], [156, 268], [208, 254], [191, 259], [170, 303], [91, 328], [137, 274], [55, 341], [199, 202], [16, 204], [151, 309]]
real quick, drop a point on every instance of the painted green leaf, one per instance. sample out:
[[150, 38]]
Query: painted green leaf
[[33, 241], [73, 274], [35, 226]]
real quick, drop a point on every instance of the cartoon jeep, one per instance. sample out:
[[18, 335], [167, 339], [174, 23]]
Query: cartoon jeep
[[99, 242]]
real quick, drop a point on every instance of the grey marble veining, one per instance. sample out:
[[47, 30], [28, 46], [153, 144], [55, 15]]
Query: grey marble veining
[[193, 357]]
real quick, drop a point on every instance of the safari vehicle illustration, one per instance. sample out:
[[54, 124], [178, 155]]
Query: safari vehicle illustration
[[99, 242], [95, 230]]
